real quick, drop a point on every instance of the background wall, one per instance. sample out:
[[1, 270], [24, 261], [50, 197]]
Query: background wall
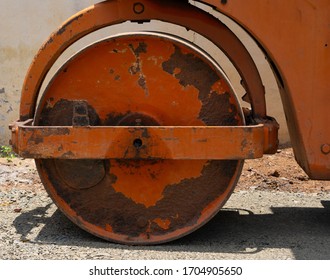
[[25, 25]]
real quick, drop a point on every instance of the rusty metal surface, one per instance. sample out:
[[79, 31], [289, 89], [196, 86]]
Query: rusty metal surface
[[121, 142], [144, 213], [296, 39], [170, 92], [112, 12], [271, 128], [152, 200]]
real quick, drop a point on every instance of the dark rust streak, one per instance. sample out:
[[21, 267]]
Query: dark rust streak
[[50, 41], [143, 84], [137, 69], [142, 48], [37, 137], [244, 144], [64, 27], [60, 31], [55, 131]]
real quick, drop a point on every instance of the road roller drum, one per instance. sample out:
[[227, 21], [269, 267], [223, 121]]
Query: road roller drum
[[139, 138], [142, 79]]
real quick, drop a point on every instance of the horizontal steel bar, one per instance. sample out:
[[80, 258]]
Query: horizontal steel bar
[[140, 142]]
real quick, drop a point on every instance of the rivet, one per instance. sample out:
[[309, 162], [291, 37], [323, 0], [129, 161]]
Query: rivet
[[224, 2], [325, 149], [138, 8]]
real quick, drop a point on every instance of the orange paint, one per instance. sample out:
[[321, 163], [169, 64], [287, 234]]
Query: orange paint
[[144, 181], [108, 228], [220, 87], [113, 86], [163, 223]]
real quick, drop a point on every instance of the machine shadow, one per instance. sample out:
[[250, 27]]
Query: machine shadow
[[231, 231]]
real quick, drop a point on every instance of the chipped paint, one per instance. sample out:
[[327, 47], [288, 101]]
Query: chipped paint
[[140, 200], [67, 24], [163, 223], [137, 67]]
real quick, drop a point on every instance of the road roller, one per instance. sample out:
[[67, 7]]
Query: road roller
[[139, 137]]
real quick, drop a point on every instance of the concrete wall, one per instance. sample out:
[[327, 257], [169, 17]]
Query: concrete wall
[[25, 25]]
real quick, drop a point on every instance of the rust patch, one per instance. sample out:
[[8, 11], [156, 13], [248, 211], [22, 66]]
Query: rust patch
[[217, 108], [37, 137], [181, 205], [136, 68], [145, 182], [143, 84], [114, 119], [142, 48], [62, 113], [79, 174]]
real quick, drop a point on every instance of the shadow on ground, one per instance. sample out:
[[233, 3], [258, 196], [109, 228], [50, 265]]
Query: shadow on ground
[[305, 231]]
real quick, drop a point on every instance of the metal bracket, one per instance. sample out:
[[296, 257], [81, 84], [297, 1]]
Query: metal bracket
[[141, 142]]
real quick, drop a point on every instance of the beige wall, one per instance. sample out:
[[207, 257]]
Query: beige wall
[[25, 25]]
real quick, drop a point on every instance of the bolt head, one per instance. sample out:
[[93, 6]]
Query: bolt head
[[325, 149], [138, 8]]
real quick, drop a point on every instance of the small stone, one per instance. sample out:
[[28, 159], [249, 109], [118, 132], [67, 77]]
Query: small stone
[[275, 174], [302, 178]]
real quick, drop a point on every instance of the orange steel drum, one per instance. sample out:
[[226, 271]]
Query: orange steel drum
[[140, 201]]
